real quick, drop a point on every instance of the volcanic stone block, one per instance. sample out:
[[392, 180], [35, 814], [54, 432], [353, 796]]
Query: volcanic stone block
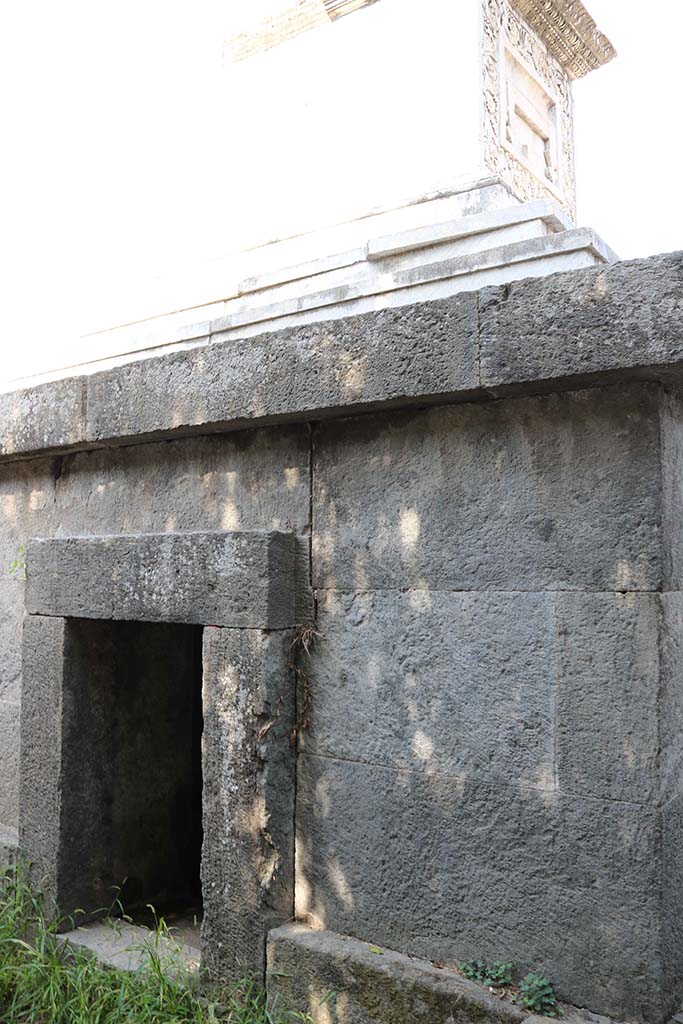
[[240, 579], [44, 651], [43, 417], [559, 492], [672, 901], [9, 762], [335, 977], [248, 773], [449, 870], [11, 619], [671, 433], [358, 361], [608, 702], [671, 725], [460, 684], [625, 315]]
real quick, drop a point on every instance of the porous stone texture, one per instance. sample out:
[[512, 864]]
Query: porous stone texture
[[469, 679], [448, 869], [671, 738], [48, 416], [8, 847], [9, 761], [626, 315], [248, 772], [235, 578], [493, 763], [337, 979], [558, 492], [608, 696], [672, 891], [252, 480], [671, 428], [299, 372], [44, 651]]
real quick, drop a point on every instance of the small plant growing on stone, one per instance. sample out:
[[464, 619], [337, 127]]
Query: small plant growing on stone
[[497, 975], [475, 970], [538, 995], [18, 566]]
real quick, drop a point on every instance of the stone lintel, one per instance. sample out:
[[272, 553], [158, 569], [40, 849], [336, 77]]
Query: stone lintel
[[242, 579], [596, 325]]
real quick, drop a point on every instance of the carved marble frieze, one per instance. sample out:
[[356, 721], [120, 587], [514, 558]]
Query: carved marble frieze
[[569, 32], [505, 37]]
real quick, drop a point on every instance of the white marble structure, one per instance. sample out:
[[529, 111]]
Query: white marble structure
[[389, 152]]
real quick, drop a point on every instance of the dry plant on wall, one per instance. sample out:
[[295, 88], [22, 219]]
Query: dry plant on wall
[[305, 636]]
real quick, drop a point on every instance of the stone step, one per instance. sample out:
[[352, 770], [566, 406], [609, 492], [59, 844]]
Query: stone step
[[337, 978], [126, 946]]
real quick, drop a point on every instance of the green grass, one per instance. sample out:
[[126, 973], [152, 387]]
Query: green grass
[[42, 981]]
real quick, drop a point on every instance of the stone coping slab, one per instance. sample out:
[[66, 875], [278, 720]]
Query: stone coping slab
[[342, 979], [239, 579], [621, 321]]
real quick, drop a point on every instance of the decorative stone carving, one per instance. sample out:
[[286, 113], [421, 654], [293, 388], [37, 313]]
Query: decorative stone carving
[[569, 32], [503, 28]]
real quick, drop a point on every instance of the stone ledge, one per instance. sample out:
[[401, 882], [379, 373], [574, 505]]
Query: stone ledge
[[576, 328], [336, 978], [234, 579]]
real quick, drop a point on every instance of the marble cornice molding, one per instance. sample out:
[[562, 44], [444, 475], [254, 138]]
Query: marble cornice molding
[[569, 32]]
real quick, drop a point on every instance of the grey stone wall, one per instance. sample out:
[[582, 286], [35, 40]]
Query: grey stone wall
[[257, 480], [494, 766], [483, 773]]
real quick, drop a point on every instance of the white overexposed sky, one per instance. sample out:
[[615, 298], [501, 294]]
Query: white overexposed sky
[[112, 156]]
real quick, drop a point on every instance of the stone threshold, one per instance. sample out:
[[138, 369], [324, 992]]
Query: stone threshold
[[126, 946]]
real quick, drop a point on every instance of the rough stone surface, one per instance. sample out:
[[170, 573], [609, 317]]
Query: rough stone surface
[[339, 980], [671, 756], [557, 492], [8, 847], [449, 871], [252, 480], [232, 578], [608, 709], [11, 621], [47, 416], [41, 744], [671, 419], [248, 772], [9, 762], [391, 355], [625, 315], [672, 901], [458, 684]]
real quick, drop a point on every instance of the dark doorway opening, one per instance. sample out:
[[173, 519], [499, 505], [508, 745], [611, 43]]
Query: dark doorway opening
[[131, 814]]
